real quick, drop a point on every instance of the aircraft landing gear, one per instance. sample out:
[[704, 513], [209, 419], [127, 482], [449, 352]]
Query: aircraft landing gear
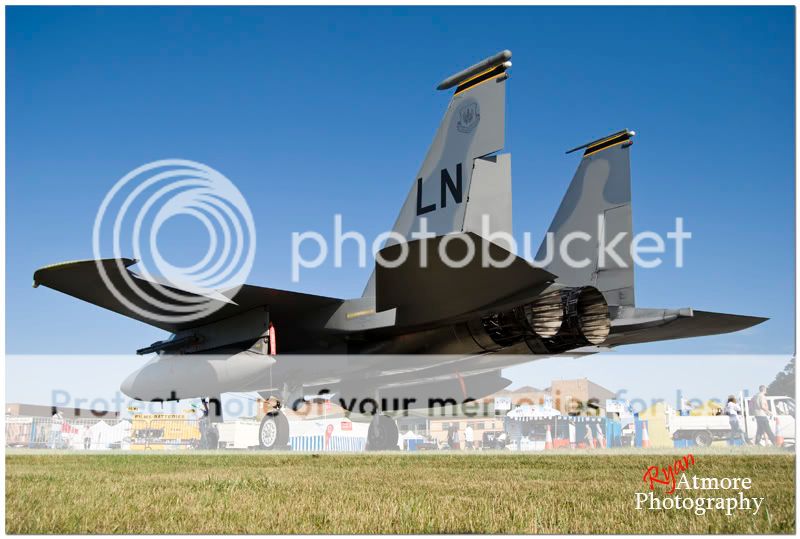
[[273, 433], [382, 434]]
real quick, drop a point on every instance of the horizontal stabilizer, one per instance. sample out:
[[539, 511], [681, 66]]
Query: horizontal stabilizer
[[83, 280], [424, 293], [698, 324]]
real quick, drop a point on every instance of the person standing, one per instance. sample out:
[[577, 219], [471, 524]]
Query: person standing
[[452, 437], [686, 407], [469, 437], [733, 411], [762, 413]]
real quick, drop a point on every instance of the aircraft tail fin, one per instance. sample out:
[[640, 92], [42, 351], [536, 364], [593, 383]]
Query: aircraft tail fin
[[473, 127], [597, 203]]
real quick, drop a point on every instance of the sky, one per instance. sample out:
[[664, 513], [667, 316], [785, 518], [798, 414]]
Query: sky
[[316, 111]]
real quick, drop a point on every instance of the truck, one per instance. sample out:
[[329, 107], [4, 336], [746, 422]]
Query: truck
[[703, 430], [163, 432]]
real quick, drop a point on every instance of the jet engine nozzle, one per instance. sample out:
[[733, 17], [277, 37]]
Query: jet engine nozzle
[[561, 320], [545, 315], [586, 316]]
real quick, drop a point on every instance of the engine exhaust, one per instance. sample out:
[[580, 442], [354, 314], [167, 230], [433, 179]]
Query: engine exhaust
[[545, 315], [563, 320], [586, 317]]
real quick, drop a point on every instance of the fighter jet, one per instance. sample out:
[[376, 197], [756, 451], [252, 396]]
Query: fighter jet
[[418, 329]]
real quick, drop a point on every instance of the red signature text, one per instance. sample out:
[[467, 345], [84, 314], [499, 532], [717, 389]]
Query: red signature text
[[668, 475]]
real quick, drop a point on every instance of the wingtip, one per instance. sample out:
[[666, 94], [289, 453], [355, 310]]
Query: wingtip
[[39, 272]]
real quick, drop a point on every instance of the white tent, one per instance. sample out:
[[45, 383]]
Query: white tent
[[119, 433], [100, 434], [404, 438], [528, 412]]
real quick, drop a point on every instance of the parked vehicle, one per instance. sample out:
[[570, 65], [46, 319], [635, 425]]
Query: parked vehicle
[[494, 440], [428, 445], [704, 429]]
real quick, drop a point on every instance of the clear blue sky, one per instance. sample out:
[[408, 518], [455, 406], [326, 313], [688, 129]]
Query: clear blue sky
[[314, 111]]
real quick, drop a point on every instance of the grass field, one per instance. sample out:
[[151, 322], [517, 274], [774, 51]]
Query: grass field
[[385, 493]]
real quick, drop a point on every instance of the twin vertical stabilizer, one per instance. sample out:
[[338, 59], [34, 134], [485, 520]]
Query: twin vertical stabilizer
[[473, 127]]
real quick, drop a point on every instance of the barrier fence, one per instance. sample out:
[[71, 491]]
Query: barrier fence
[[176, 432], [334, 443], [138, 433], [144, 433]]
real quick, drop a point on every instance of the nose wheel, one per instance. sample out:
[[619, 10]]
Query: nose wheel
[[382, 434], [273, 433]]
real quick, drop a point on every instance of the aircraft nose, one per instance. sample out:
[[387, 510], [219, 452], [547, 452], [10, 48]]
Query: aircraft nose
[[128, 384]]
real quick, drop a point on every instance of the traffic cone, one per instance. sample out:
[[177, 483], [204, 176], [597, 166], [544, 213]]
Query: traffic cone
[[778, 435], [645, 436], [548, 440]]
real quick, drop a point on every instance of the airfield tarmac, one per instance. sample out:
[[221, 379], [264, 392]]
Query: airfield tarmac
[[480, 492]]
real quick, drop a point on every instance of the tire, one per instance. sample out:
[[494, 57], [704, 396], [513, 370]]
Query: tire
[[703, 438], [273, 433], [382, 434]]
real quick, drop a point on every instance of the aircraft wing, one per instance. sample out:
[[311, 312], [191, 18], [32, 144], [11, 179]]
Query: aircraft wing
[[82, 280]]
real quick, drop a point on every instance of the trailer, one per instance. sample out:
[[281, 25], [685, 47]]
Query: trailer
[[703, 430]]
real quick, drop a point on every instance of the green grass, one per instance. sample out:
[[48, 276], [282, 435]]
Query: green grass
[[386, 493]]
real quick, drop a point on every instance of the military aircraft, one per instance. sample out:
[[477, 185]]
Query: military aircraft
[[418, 329]]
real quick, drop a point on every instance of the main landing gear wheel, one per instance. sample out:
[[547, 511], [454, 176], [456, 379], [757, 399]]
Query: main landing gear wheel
[[382, 434], [274, 431]]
